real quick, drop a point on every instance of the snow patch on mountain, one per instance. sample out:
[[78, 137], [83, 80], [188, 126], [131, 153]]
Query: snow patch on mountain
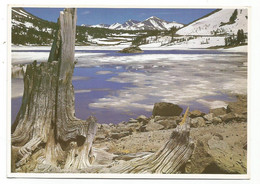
[[217, 24], [115, 26], [100, 26]]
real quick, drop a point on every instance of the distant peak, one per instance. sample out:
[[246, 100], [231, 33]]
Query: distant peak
[[153, 17]]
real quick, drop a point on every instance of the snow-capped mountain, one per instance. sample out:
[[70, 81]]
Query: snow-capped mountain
[[100, 26], [155, 23], [152, 23], [115, 26], [224, 21], [130, 23]]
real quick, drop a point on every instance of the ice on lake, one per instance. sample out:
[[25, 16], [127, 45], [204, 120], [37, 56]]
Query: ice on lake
[[115, 86]]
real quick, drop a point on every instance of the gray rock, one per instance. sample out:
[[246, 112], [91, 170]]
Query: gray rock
[[168, 124], [166, 109], [238, 107], [228, 117], [142, 118], [216, 120], [209, 117], [218, 111], [151, 126], [196, 113], [197, 122], [131, 120]]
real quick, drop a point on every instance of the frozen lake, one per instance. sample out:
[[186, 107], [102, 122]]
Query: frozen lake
[[115, 87]]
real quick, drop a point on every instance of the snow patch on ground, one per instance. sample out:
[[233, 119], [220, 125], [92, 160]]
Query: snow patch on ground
[[243, 48]]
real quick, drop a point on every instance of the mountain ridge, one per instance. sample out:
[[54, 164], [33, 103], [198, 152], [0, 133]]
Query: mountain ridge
[[151, 23]]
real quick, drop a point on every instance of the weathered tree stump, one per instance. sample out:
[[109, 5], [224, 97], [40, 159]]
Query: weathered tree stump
[[168, 159], [46, 131]]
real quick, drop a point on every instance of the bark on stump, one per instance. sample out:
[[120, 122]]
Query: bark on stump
[[46, 134]]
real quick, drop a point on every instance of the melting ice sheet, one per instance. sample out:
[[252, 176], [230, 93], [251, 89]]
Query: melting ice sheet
[[115, 86]]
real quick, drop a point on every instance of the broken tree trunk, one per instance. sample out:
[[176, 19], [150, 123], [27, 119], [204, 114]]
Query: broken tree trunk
[[46, 134], [168, 159]]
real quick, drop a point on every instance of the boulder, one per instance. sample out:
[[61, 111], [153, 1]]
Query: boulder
[[168, 124], [166, 109], [196, 113], [238, 107], [152, 126], [216, 120], [197, 122], [218, 111], [209, 117], [228, 117], [133, 127], [142, 118], [213, 155]]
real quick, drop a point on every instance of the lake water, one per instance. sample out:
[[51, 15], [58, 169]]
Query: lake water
[[115, 86]]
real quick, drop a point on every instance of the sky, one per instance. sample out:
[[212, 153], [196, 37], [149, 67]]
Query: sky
[[93, 16]]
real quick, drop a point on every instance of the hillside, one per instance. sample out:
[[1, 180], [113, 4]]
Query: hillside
[[222, 22], [29, 29]]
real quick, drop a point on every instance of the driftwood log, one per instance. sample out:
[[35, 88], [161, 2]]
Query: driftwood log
[[46, 135]]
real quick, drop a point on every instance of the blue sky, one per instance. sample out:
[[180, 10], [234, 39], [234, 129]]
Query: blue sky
[[91, 16]]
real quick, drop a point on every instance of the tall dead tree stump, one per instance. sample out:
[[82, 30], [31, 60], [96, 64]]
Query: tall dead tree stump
[[46, 134]]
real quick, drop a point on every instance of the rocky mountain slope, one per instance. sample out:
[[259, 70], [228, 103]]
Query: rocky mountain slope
[[221, 22], [151, 23]]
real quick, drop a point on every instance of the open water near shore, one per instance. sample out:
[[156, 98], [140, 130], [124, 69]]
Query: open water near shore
[[115, 86]]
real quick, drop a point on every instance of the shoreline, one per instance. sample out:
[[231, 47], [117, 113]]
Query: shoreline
[[242, 49], [218, 135]]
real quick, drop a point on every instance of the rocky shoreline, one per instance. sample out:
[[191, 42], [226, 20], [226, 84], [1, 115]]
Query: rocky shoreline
[[220, 137]]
